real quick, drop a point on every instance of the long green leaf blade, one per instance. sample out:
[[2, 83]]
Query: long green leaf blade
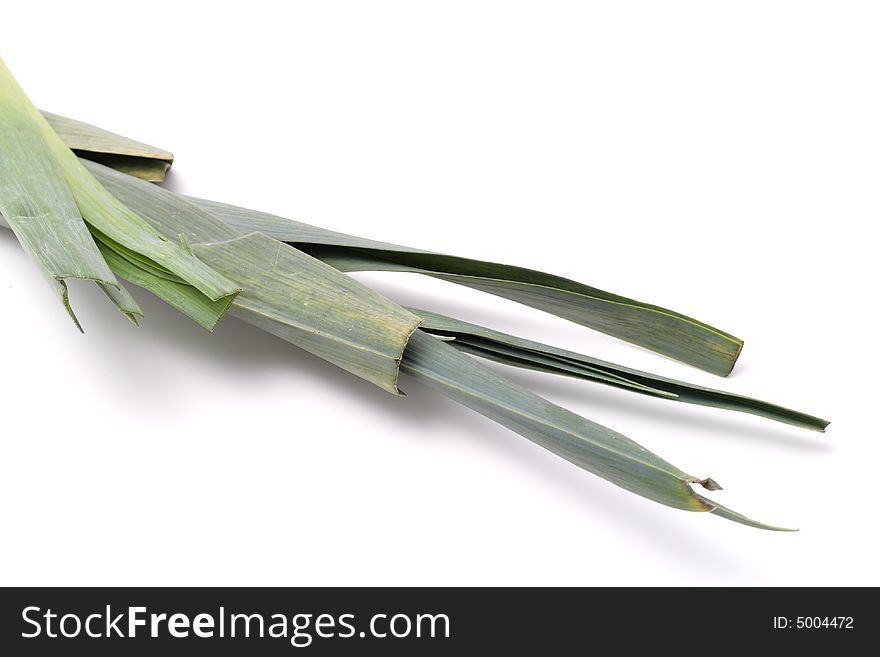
[[588, 445], [519, 352], [658, 329]]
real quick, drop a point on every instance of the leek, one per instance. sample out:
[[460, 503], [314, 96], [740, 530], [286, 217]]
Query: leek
[[204, 258], [436, 363]]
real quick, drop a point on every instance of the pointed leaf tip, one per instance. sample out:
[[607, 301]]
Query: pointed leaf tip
[[730, 514]]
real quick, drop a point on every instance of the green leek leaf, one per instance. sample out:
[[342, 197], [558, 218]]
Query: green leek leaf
[[121, 153], [652, 327], [38, 204], [588, 445], [519, 352]]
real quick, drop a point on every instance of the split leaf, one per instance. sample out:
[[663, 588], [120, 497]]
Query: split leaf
[[519, 352]]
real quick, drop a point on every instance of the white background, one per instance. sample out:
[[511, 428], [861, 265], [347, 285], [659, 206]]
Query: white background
[[721, 159]]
